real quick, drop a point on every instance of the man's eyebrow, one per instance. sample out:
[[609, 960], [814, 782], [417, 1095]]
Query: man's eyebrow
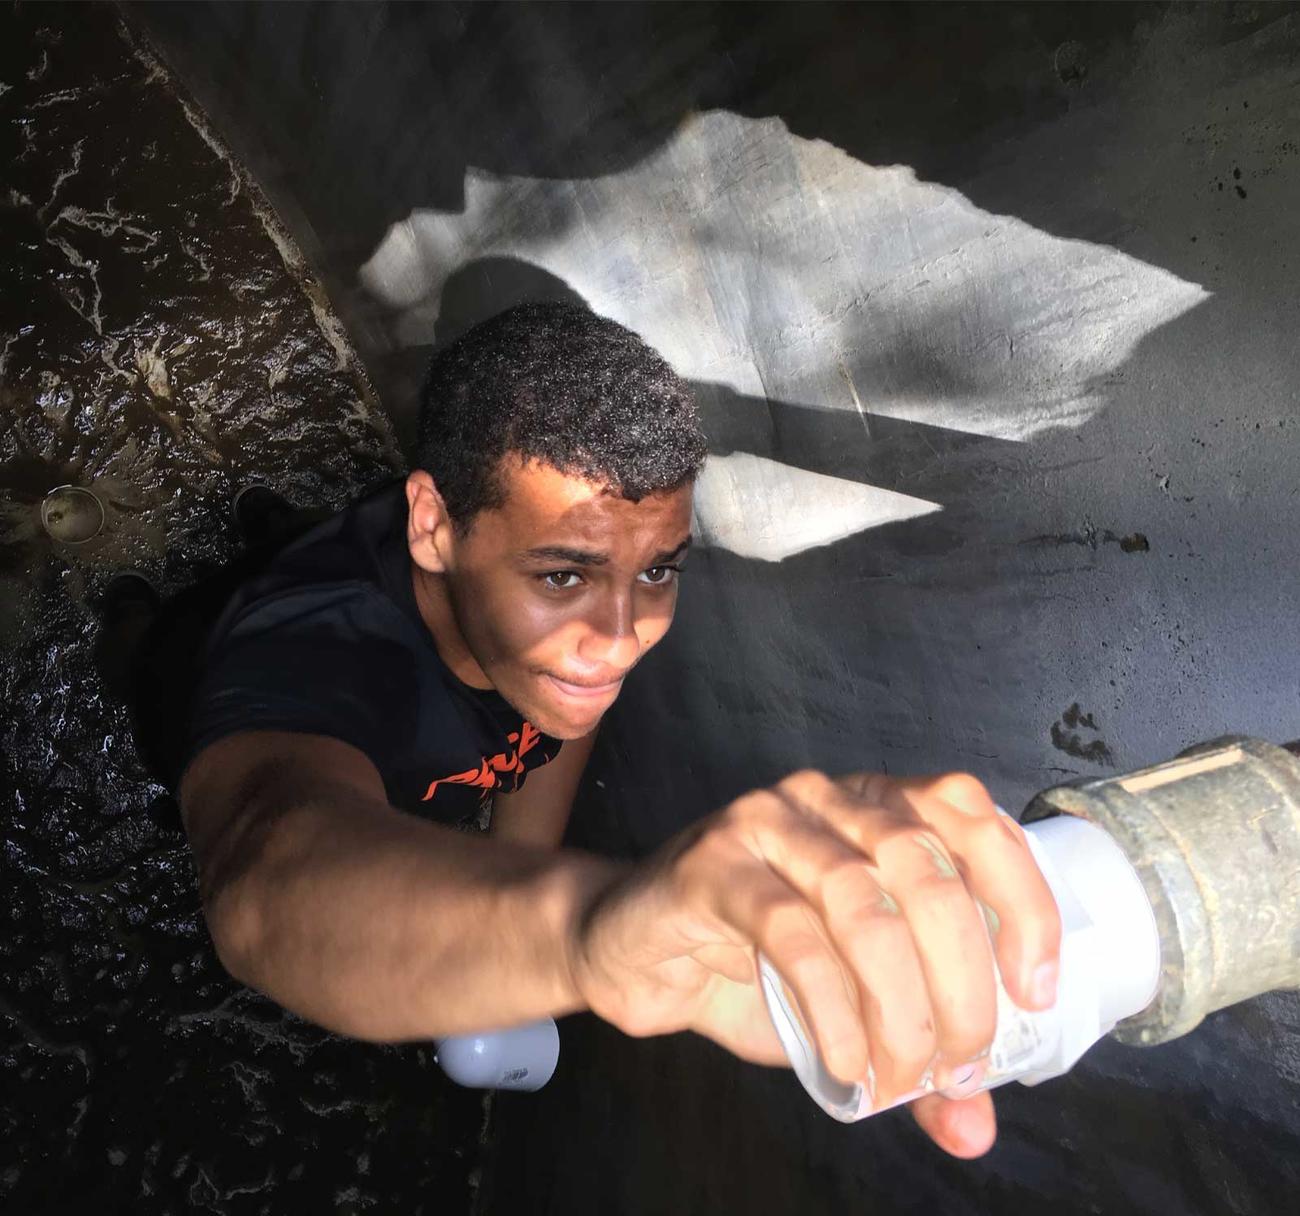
[[565, 556], [672, 555]]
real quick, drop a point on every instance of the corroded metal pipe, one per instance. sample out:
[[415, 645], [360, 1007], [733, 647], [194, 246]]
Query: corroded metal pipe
[[1215, 838]]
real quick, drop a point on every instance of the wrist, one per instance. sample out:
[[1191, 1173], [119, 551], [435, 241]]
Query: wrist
[[570, 893]]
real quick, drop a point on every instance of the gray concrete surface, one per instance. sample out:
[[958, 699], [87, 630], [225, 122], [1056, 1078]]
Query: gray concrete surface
[[992, 313]]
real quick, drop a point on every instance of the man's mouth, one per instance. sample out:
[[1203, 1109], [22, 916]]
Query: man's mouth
[[586, 692]]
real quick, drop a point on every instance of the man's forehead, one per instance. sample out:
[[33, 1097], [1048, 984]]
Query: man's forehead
[[542, 489], [540, 502]]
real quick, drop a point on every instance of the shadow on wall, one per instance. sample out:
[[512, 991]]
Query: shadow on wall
[[381, 108], [764, 454], [474, 292]]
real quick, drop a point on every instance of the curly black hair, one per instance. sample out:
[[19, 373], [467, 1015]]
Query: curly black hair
[[557, 383]]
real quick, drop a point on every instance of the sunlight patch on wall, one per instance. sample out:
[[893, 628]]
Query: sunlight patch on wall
[[764, 509], [789, 271]]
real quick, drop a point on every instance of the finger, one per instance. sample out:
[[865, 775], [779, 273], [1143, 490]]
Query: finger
[[870, 934], [951, 938], [1000, 871], [965, 1128], [914, 866], [782, 924]]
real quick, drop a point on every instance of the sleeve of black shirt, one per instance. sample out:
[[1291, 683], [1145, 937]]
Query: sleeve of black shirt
[[326, 659]]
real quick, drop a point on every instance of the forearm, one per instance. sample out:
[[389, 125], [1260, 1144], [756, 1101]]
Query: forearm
[[378, 925]]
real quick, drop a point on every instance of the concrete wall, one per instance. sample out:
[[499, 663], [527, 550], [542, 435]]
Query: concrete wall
[[992, 314]]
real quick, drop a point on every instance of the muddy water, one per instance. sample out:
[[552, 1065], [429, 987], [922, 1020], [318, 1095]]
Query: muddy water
[[161, 345]]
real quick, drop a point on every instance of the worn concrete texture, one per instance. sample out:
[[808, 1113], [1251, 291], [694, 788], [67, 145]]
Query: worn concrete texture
[[161, 344], [992, 313]]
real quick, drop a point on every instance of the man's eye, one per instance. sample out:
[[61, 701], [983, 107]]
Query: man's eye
[[659, 576], [561, 580]]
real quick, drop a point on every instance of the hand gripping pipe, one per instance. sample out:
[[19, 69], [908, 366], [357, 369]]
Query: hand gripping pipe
[[1179, 892]]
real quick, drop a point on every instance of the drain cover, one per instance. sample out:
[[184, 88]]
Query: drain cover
[[72, 515]]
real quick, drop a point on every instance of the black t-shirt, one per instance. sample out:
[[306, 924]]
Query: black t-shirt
[[329, 640]]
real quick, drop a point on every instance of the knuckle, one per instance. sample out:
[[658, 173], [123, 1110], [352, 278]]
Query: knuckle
[[760, 806], [907, 833], [789, 921], [865, 787], [918, 1039], [937, 850], [942, 896], [997, 834], [807, 785], [908, 844], [849, 890], [964, 791], [913, 834], [911, 1047]]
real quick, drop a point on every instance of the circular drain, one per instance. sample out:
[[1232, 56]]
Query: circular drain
[[72, 515]]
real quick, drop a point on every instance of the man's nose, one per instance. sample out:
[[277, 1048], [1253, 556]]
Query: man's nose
[[610, 640]]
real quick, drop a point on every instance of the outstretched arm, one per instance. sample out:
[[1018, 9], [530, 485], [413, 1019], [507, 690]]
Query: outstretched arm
[[862, 892], [369, 921]]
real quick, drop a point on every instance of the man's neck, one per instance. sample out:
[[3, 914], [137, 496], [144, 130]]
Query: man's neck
[[440, 619]]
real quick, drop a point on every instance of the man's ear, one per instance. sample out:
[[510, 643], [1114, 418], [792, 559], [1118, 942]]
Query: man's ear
[[430, 533]]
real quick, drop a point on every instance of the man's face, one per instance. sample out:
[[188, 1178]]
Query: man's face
[[560, 591]]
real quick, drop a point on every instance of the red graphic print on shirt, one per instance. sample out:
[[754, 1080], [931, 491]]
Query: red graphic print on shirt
[[489, 775]]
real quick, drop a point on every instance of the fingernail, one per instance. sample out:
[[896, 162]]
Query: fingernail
[[1042, 985], [965, 1082], [945, 1076]]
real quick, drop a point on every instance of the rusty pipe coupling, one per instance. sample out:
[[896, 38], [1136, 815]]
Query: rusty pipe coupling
[[1215, 838]]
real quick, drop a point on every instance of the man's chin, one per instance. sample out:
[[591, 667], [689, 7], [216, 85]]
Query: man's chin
[[545, 719], [563, 721], [572, 732], [563, 725]]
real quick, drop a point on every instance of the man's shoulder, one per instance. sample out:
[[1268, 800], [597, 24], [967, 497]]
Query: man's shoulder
[[365, 542], [350, 573], [353, 609], [320, 640]]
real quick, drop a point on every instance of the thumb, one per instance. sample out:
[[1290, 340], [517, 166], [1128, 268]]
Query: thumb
[[964, 1127]]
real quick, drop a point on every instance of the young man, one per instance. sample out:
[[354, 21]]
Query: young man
[[460, 641]]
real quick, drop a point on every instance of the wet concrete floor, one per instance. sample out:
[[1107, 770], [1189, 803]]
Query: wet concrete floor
[[161, 345]]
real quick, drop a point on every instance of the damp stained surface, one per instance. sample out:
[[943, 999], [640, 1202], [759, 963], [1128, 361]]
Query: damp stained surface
[[161, 345]]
